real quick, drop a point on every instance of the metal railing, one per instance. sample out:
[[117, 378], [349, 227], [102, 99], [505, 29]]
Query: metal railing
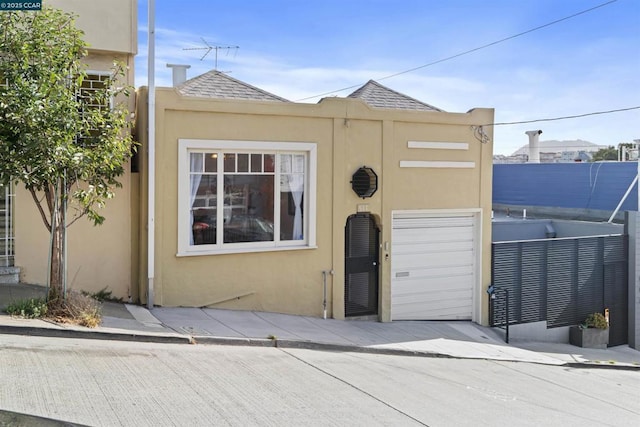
[[499, 309], [6, 226]]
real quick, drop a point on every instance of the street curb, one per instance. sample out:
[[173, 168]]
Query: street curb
[[311, 345], [603, 365], [275, 343], [95, 335], [248, 342]]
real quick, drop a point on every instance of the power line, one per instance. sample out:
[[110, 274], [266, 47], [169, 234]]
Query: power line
[[467, 51], [595, 113]]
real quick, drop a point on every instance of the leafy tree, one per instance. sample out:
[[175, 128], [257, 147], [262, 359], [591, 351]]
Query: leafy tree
[[62, 141], [609, 153]]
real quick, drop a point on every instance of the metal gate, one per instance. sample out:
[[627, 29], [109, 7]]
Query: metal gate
[[6, 225], [561, 281], [362, 243]]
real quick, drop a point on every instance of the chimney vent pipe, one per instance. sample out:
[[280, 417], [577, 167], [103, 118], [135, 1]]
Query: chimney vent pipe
[[179, 73], [534, 145]]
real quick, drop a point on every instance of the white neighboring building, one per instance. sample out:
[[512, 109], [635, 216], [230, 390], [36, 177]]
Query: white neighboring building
[[554, 151]]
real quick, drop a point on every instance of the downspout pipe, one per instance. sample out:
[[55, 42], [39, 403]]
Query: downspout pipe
[[324, 291], [151, 190], [324, 294]]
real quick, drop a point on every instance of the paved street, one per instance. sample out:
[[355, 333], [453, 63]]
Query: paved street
[[107, 383]]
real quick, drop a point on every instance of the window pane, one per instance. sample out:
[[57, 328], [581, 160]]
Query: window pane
[[256, 163], [210, 162], [291, 207], [285, 163], [195, 160], [269, 162], [298, 163], [243, 163], [229, 162], [248, 208], [203, 209]]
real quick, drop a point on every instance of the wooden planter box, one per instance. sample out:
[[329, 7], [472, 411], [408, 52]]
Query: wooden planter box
[[589, 337]]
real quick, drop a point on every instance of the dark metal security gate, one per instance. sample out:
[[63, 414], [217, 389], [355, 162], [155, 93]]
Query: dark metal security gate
[[361, 266], [6, 225], [561, 281]]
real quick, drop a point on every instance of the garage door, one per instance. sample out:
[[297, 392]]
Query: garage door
[[433, 266]]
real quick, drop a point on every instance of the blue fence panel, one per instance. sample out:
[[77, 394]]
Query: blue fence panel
[[598, 185]]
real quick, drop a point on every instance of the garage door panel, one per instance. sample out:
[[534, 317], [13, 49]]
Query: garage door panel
[[424, 280], [451, 297], [436, 260], [458, 311], [426, 284], [433, 266], [418, 235], [431, 247], [417, 221], [456, 300]]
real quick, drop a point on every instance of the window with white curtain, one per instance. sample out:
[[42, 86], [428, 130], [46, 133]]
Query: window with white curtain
[[242, 196]]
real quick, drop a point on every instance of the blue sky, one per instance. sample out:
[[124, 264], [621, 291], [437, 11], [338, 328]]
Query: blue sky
[[303, 48]]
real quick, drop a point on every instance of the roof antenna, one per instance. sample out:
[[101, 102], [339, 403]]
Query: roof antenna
[[209, 47]]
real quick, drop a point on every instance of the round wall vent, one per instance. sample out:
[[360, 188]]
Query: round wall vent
[[364, 182]]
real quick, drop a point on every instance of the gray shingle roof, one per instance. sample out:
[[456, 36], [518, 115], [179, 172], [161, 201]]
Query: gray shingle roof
[[378, 96], [215, 84]]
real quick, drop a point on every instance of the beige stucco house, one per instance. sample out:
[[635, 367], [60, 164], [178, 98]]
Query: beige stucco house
[[98, 257], [375, 204]]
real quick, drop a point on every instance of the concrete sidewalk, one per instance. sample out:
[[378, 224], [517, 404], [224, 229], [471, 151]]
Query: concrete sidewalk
[[459, 339]]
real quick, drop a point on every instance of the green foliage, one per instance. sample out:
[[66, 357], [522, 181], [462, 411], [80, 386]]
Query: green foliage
[[595, 320], [31, 308], [47, 133], [609, 153]]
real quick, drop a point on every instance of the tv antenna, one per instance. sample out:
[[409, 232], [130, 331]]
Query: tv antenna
[[209, 47]]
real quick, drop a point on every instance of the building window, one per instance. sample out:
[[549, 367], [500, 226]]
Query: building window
[[91, 85], [93, 97], [239, 196]]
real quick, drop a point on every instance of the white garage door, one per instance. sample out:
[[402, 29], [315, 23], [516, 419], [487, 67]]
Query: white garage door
[[433, 266]]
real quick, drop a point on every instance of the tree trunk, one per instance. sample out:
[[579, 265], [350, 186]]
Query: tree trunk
[[57, 286]]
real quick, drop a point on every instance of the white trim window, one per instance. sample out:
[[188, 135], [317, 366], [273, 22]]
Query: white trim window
[[245, 196]]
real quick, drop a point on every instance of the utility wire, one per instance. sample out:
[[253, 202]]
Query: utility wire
[[551, 119], [467, 51]]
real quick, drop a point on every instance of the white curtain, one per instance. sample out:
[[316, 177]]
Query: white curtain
[[196, 169], [296, 185]]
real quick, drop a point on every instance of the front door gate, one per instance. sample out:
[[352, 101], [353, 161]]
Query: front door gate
[[362, 242]]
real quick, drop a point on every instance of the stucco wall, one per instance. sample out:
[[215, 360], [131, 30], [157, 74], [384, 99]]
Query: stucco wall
[[98, 257], [348, 135], [109, 25]]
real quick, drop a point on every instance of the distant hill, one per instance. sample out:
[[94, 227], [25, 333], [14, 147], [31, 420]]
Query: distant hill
[[554, 146]]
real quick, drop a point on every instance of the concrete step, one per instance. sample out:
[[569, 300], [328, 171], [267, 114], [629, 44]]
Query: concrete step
[[9, 274]]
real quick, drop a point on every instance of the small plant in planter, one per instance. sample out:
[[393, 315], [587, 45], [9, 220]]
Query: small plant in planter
[[595, 320], [592, 333]]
